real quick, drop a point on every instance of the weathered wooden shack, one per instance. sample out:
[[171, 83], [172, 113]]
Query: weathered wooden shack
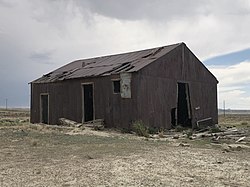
[[163, 87]]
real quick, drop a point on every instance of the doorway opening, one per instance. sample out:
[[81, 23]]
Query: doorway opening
[[183, 106], [44, 108], [88, 102], [173, 117]]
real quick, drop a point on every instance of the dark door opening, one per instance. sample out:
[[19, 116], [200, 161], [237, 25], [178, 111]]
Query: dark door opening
[[88, 108], [45, 109], [183, 106], [173, 117]]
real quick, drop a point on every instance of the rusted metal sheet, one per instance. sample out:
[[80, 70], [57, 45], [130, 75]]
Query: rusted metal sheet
[[106, 65]]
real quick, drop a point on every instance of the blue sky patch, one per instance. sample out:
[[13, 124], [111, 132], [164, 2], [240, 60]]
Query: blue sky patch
[[230, 58]]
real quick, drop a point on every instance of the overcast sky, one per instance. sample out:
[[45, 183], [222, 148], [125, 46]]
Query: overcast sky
[[38, 36]]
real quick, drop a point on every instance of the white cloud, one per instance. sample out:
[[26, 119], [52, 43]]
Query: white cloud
[[234, 82], [234, 99], [233, 75]]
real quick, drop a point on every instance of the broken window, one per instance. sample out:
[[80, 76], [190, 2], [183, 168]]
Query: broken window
[[116, 86]]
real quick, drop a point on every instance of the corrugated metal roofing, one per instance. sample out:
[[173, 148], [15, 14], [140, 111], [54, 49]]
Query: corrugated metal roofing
[[106, 65]]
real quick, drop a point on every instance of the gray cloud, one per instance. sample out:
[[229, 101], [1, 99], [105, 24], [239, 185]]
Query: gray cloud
[[162, 10], [39, 36], [211, 22], [147, 9], [6, 3], [42, 57], [234, 84]]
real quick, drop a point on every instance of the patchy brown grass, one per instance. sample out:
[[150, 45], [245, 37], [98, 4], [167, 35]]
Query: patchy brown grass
[[235, 120]]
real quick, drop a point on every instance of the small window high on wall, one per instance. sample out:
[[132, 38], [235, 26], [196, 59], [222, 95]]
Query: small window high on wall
[[116, 86]]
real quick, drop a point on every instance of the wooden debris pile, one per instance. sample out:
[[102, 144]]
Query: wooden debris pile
[[229, 135], [68, 123], [97, 124]]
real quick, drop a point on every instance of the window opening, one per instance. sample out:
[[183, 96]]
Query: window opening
[[116, 87]]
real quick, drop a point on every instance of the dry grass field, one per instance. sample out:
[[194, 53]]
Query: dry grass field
[[42, 155]]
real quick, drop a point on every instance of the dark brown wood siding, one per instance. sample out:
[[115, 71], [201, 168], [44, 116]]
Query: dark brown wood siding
[[157, 88], [154, 94], [65, 100]]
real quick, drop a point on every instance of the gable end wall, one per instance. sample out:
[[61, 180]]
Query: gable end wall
[[157, 88]]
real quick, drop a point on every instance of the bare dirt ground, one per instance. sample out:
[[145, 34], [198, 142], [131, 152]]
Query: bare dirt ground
[[39, 155]]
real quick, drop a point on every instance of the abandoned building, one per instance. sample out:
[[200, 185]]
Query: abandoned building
[[163, 87]]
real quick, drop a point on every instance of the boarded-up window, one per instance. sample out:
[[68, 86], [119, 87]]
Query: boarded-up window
[[126, 85], [116, 86]]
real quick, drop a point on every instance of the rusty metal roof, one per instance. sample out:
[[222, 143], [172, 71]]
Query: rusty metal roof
[[106, 65]]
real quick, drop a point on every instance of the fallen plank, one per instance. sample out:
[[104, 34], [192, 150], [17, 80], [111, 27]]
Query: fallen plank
[[96, 121], [228, 133], [97, 124], [240, 139], [68, 122]]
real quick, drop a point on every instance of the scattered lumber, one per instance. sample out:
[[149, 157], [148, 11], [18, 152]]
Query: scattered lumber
[[240, 139], [202, 135], [232, 133], [228, 133], [176, 136], [97, 124], [68, 122], [184, 145]]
